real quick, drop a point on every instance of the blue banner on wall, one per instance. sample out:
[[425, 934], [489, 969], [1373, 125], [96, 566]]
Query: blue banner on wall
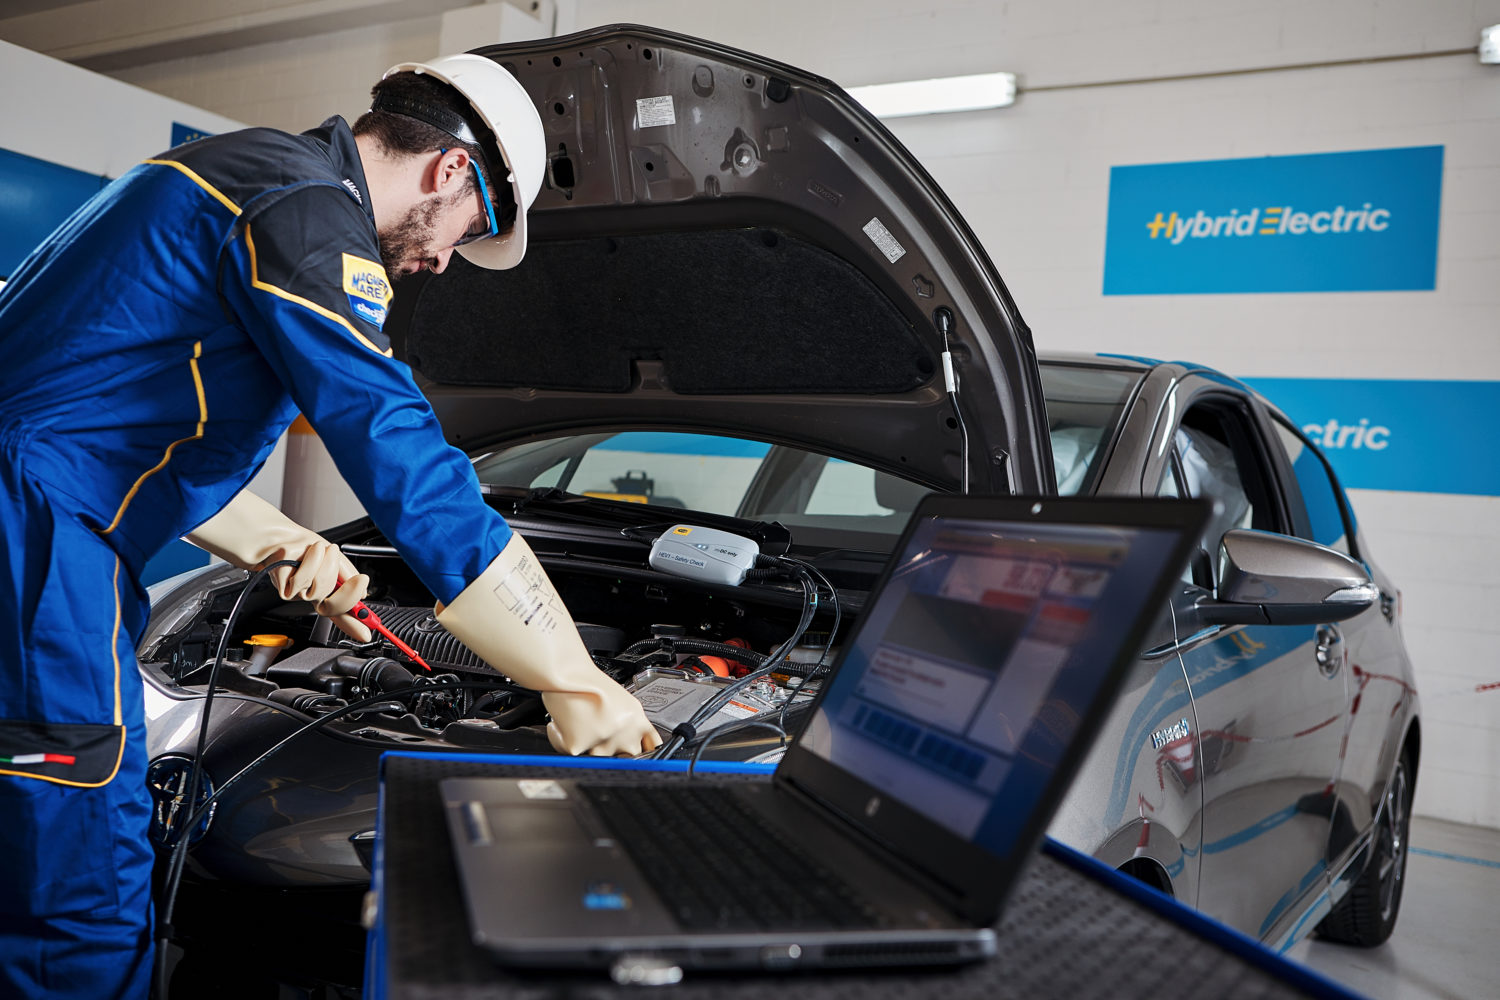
[[186, 133], [1391, 434], [35, 197], [1327, 222]]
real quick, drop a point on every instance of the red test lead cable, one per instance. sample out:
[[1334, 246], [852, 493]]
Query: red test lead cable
[[362, 614]]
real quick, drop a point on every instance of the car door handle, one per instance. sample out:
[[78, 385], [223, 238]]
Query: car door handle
[[1330, 649]]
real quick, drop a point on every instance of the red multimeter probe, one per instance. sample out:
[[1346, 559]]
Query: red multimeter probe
[[362, 614]]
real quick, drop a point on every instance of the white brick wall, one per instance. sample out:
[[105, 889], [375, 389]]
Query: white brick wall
[[1443, 552], [1033, 182]]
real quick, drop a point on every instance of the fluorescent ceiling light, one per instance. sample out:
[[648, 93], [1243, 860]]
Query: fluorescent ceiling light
[[1489, 44], [935, 97]]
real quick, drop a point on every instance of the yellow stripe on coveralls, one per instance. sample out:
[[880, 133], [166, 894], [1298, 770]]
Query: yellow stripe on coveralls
[[167, 457], [255, 282]]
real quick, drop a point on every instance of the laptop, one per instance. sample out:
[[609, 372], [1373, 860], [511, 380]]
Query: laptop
[[957, 712]]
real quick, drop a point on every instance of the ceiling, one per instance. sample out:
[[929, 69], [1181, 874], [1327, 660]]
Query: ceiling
[[112, 35]]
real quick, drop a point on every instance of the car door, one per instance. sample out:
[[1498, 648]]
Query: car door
[[1269, 701], [1136, 803], [1380, 692]]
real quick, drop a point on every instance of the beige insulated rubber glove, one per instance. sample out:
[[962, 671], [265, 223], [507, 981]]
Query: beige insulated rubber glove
[[512, 617], [249, 533]]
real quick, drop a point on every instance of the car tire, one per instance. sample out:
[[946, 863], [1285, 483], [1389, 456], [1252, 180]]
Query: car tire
[[1367, 915]]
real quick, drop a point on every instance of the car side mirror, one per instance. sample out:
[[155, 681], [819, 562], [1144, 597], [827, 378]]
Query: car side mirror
[[1280, 580]]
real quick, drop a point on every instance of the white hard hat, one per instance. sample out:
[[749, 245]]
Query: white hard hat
[[503, 105]]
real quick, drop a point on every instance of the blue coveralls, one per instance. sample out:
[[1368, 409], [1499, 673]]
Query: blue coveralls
[[154, 348]]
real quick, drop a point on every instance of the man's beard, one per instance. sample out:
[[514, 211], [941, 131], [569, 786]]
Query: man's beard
[[411, 238]]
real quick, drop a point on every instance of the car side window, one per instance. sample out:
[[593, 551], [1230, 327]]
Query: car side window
[[1215, 455], [1171, 486], [1320, 493]]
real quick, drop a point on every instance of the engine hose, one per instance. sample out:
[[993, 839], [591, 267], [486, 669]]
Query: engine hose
[[654, 652], [530, 709], [708, 647], [685, 731], [484, 701], [747, 656], [379, 673]]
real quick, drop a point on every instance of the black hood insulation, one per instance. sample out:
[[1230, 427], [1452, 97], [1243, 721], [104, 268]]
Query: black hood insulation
[[724, 311]]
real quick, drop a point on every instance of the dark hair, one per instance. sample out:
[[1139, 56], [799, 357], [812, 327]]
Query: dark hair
[[403, 134]]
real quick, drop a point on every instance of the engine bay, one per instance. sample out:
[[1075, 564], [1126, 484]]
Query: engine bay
[[674, 643]]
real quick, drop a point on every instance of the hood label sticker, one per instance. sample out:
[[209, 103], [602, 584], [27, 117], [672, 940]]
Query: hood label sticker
[[651, 111], [883, 240]]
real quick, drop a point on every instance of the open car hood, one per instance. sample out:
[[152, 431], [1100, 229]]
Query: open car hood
[[726, 244]]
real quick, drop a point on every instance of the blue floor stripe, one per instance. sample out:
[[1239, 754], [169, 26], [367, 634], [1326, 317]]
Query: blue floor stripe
[[1484, 862]]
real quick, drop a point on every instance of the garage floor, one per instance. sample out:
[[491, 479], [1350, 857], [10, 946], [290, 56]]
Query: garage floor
[[1445, 943]]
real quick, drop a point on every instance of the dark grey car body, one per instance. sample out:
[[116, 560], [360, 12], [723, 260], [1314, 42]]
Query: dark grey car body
[[771, 265], [1247, 765]]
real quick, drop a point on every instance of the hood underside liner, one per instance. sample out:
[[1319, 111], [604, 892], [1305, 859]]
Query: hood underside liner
[[724, 311]]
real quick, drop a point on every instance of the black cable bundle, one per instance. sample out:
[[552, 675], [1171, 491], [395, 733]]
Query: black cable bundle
[[178, 857], [195, 815], [767, 567]]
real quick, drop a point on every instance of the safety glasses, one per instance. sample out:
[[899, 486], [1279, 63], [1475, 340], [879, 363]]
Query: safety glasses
[[489, 225]]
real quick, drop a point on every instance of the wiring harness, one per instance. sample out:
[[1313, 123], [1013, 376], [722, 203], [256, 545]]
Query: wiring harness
[[767, 568]]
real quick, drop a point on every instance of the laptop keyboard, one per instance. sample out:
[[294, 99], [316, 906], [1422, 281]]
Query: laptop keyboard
[[749, 880]]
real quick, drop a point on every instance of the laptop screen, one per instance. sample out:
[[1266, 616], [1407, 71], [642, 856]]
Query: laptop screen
[[975, 664]]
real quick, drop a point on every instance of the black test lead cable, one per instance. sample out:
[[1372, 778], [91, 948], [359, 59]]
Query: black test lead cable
[[701, 740], [817, 671], [205, 808], [196, 814], [178, 856], [687, 731], [353, 707]]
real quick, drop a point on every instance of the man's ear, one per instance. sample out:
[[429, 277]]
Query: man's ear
[[447, 169]]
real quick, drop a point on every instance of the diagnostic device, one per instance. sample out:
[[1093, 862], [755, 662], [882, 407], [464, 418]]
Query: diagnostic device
[[706, 554]]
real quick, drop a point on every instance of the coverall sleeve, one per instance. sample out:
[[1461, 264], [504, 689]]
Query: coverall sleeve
[[305, 280]]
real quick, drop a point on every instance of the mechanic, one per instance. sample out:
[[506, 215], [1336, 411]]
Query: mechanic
[[156, 347]]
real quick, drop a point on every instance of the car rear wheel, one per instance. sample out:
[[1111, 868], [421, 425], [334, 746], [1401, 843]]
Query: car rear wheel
[[1367, 915]]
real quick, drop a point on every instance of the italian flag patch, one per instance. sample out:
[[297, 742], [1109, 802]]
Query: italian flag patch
[[39, 758]]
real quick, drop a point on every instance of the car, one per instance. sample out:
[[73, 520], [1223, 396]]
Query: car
[[746, 307], [1262, 767]]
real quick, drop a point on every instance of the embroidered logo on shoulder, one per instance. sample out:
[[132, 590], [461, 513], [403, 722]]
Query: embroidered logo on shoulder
[[368, 289], [354, 190]]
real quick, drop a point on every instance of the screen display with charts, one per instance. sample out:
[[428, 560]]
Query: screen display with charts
[[978, 659]]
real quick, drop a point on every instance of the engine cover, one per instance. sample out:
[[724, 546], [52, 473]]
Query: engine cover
[[419, 628]]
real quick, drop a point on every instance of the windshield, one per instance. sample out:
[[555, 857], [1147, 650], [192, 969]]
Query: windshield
[[718, 475], [741, 477], [1083, 405]]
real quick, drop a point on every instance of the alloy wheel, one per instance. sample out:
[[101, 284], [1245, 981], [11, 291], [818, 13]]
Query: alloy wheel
[[1392, 841]]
